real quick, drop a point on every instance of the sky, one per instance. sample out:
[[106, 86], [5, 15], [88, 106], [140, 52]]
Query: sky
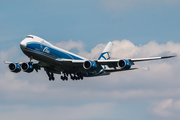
[[137, 28]]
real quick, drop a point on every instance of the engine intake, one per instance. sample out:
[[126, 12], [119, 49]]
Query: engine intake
[[14, 67], [124, 64], [89, 65], [27, 67]]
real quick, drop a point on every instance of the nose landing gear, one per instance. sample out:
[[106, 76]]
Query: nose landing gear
[[51, 76]]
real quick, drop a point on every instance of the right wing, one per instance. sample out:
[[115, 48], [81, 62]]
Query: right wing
[[110, 63], [119, 65], [151, 58]]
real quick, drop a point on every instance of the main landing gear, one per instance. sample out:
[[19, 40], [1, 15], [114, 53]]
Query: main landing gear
[[74, 76], [50, 75], [64, 77], [77, 76]]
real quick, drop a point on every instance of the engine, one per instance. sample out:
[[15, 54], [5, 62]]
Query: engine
[[124, 64], [89, 65], [26, 67], [14, 67]]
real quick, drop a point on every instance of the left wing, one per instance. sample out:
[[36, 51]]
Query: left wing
[[25, 66]]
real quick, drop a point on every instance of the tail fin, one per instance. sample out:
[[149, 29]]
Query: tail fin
[[106, 54]]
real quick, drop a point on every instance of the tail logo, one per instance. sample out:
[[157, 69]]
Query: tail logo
[[105, 56]]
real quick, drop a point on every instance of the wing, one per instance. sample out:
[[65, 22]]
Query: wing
[[112, 63], [17, 66], [125, 64]]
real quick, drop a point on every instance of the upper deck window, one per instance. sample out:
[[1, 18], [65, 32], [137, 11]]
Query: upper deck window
[[29, 37]]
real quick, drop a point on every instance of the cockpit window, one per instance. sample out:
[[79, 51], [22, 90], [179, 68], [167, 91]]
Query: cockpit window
[[29, 37]]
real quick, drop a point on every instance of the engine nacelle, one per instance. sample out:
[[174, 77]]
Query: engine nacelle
[[14, 67], [26, 67], [89, 65], [124, 64]]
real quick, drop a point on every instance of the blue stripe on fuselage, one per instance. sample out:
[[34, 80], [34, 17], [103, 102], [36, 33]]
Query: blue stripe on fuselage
[[50, 51]]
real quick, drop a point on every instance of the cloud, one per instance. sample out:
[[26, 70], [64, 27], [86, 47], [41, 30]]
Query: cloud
[[30, 94], [70, 45], [123, 49], [161, 108], [88, 111], [126, 49], [167, 108], [4, 55], [95, 52]]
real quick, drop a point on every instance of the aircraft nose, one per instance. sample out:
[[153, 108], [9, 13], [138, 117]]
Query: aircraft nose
[[23, 44]]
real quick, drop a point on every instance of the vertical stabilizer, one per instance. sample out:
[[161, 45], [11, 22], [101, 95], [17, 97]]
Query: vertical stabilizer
[[106, 54]]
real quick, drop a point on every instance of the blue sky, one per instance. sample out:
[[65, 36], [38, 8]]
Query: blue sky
[[138, 28], [92, 20]]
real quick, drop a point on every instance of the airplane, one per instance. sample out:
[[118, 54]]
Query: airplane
[[55, 60]]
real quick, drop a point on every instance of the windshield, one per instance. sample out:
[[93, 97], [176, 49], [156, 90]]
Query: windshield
[[29, 37]]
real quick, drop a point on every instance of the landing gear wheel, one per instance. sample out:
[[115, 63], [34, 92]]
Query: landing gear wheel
[[50, 73], [65, 77], [62, 78]]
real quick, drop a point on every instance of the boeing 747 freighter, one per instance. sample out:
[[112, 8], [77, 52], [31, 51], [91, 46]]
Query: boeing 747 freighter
[[55, 60]]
